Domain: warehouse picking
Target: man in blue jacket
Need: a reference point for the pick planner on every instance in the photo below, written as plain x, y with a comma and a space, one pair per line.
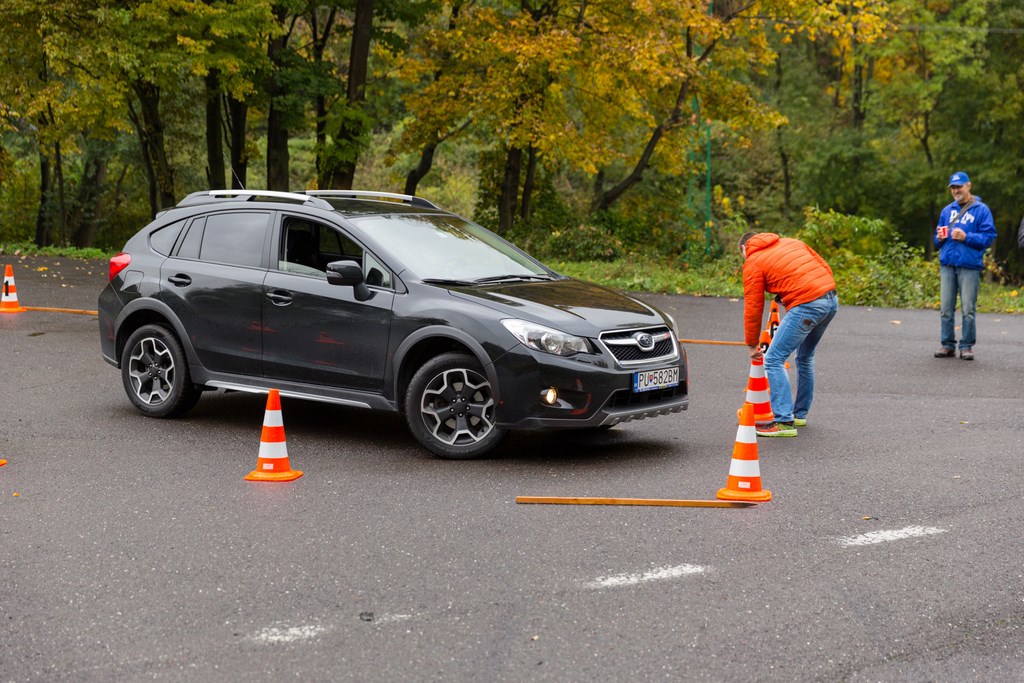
965, 231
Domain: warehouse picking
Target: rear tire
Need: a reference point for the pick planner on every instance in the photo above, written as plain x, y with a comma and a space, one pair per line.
155, 373
450, 408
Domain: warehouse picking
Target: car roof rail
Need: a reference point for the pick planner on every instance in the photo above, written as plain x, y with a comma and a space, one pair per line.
404, 198
207, 196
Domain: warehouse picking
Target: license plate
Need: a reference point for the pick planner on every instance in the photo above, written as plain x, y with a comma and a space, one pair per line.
655, 379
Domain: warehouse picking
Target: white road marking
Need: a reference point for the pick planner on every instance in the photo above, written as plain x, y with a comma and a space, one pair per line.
385, 618
873, 537
659, 574
287, 634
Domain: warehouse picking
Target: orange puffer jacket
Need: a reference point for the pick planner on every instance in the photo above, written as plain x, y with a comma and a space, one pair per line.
783, 266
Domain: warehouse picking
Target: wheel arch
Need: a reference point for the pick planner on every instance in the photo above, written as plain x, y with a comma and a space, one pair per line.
430, 342
152, 312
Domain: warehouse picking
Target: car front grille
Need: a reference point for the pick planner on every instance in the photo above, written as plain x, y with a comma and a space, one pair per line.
628, 348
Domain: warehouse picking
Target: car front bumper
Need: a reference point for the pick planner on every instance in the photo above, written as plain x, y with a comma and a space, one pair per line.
592, 392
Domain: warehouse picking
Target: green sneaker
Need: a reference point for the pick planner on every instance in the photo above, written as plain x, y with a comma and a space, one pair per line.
799, 421
777, 429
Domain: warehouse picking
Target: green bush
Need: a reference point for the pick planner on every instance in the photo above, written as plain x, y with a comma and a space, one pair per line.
581, 243
828, 232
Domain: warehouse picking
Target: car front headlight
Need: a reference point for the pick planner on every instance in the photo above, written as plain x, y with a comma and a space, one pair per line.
672, 323
545, 339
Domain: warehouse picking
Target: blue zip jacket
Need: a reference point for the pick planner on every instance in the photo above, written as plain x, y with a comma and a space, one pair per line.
981, 233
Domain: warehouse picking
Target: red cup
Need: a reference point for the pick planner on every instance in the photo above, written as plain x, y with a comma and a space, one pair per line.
943, 231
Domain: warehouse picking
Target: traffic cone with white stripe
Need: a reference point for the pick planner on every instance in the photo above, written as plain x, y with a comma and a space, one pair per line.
768, 333
757, 393
744, 481
272, 463
9, 300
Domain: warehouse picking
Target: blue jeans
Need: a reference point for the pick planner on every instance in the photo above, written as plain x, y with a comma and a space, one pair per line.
800, 331
962, 281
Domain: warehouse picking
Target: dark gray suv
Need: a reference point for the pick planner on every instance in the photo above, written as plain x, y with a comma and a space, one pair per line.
378, 301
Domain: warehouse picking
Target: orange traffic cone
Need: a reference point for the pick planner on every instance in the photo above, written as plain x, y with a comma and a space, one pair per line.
766, 340
9, 300
773, 318
768, 333
2, 463
744, 481
272, 464
757, 393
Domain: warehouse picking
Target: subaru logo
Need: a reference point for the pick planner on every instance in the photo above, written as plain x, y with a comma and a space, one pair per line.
644, 340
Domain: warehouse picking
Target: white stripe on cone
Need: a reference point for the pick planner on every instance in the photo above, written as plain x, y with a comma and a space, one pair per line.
745, 468
746, 434
270, 450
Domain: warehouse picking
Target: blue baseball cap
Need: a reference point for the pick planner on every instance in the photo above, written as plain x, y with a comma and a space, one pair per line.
958, 178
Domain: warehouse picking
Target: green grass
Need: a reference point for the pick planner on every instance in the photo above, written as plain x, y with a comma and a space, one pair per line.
715, 278
30, 249
722, 278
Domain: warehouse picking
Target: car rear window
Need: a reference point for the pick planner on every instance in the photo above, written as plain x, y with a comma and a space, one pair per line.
162, 240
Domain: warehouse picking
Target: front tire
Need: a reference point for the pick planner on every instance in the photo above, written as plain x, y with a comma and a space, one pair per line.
450, 408
155, 373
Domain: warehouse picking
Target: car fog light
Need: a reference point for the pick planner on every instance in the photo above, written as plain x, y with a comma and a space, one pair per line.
551, 396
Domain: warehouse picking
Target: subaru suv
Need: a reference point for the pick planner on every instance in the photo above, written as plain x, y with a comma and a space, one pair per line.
378, 301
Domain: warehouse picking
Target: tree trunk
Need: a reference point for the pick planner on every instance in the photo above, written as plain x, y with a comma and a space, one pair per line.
147, 161
62, 205
150, 128
412, 180
526, 211
237, 112
214, 133
88, 205
509, 190
277, 130
43, 214
320, 39
352, 130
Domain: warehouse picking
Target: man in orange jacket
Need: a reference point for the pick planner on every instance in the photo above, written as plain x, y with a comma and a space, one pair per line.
798, 276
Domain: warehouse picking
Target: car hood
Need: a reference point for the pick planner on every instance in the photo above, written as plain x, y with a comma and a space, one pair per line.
572, 306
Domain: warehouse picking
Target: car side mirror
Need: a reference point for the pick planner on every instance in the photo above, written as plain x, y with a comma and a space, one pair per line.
349, 274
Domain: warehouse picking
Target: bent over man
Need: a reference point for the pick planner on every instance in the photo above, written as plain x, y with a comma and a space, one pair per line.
798, 276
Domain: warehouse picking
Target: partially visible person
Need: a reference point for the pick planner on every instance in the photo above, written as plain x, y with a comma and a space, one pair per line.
803, 281
964, 232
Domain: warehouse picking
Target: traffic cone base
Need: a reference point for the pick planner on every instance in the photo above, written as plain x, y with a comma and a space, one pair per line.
744, 480
272, 463
290, 475
9, 299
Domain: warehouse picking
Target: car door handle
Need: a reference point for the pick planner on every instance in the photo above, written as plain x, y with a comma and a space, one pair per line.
180, 280
279, 298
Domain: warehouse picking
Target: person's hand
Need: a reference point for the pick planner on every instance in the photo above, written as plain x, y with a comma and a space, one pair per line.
755, 353
958, 234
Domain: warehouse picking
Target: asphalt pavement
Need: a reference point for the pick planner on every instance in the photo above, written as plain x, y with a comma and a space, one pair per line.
133, 549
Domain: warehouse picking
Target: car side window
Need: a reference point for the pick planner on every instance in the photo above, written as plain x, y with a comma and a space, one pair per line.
300, 250
307, 247
236, 238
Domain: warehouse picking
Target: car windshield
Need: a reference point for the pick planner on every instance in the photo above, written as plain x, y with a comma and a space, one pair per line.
446, 247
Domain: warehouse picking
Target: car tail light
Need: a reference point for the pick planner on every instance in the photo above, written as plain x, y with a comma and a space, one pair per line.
119, 263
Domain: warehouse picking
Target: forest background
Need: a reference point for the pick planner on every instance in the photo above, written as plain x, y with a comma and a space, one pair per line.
625, 141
